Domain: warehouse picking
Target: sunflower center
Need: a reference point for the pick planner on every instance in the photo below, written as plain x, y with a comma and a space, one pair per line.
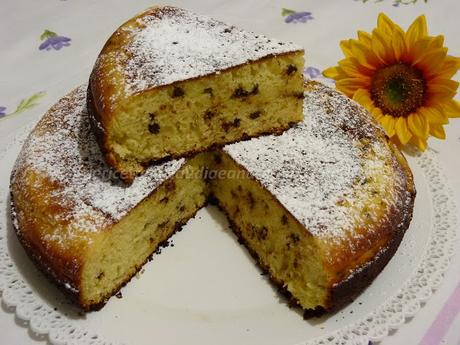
398, 89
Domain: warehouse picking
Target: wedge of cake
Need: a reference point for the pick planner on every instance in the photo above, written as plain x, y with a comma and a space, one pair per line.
78, 222
170, 83
322, 207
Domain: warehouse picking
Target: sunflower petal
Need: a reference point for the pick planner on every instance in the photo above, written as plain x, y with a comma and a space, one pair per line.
416, 30
362, 97
349, 85
437, 131
419, 142
381, 48
377, 113
451, 108
346, 49
417, 49
364, 38
434, 115
431, 61
418, 125
364, 55
385, 24
439, 83
331, 72
398, 43
388, 123
402, 131
450, 67
353, 68
437, 42
440, 92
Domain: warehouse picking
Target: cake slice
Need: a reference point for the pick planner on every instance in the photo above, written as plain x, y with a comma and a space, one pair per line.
79, 223
322, 207
170, 83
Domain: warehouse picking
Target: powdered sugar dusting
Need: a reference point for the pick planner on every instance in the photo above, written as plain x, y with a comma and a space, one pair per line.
170, 44
319, 169
63, 148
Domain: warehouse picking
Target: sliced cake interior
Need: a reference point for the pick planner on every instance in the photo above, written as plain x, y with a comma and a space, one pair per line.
119, 252
280, 244
171, 83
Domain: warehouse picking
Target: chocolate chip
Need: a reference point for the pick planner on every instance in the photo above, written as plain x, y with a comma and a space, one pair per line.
254, 115
284, 219
170, 186
261, 233
152, 116
251, 200
208, 90
291, 69
240, 93
298, 95
165, 199
154, 128
177, 92
294, 237
119, 295
217, 158
227, 125
209, 114
162, 225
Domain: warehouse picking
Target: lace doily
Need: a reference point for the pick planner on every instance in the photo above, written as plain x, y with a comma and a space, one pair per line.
19, 295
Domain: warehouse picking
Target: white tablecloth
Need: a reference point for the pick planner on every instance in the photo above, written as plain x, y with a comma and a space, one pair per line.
40, 66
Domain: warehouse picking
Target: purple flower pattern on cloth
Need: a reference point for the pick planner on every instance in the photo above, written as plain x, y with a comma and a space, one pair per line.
396, 3
2, 112
292, 16
312, 72
52, 40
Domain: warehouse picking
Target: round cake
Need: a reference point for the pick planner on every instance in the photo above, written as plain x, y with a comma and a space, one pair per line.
322, 207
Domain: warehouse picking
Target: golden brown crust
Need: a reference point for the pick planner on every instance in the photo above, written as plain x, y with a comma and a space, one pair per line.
59, 268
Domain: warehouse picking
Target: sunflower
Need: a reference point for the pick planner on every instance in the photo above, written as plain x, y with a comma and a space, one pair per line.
402, 78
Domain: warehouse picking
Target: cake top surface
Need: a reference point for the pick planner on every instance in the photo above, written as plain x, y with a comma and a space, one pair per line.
166, 44
63, 148
328, 168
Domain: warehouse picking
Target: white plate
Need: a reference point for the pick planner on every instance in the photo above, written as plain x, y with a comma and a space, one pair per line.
207, 289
